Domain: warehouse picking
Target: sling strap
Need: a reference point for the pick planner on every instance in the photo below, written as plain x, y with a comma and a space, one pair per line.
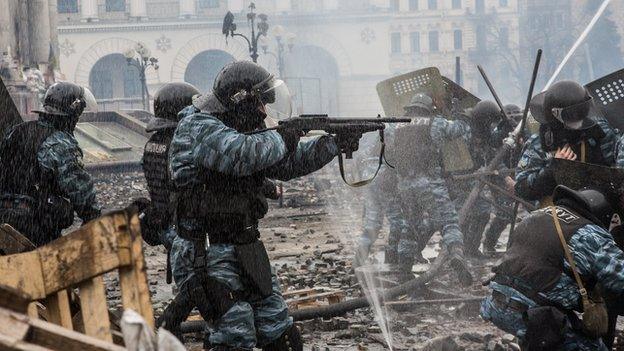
569, 256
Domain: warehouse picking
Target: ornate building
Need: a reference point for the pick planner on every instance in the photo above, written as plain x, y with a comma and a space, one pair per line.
336, 52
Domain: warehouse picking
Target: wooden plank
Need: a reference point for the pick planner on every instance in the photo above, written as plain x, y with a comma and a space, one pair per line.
314, 297
13, 299
94, 309
59, 338
58, 309
13, 242
88, 252
299, 292
23, 272
7, 343
14, 325
33, 311
135, 292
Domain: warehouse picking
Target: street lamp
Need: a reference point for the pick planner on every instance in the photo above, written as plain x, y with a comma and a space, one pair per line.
140, 57
263, 26
281, 37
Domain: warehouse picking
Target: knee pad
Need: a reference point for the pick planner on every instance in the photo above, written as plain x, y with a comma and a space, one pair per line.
289, 341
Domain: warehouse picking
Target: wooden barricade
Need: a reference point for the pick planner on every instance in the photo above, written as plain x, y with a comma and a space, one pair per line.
19, 332
79, 260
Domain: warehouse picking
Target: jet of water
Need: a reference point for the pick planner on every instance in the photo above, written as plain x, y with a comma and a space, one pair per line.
578, 42
368, 278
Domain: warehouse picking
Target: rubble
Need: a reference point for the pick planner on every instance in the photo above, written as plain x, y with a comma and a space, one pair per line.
311, 246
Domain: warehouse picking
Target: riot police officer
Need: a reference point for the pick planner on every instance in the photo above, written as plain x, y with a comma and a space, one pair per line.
221, 177
568, 131
481, 118
156, 221
42, 178
504, 212
537, 287
422, 189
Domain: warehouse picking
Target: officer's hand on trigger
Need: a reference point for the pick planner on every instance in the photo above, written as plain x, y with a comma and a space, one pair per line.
565, 153
291, 138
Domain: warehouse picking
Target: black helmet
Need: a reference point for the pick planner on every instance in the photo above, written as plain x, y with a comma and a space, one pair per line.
63, 104
419, 105
171, 98
67, 99
514, 112
239, 83
566, 102
486, 112
589, 202
483, 115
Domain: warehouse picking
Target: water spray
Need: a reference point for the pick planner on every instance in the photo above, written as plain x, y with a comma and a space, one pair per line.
578, 42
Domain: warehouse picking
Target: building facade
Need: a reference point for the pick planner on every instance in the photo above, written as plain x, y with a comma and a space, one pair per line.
334, 52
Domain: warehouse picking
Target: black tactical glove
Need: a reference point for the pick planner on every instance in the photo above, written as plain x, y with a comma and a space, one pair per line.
291, 138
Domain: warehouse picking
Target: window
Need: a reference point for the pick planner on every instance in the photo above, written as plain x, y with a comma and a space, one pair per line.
394, 5
458, 39
413, 5
132, 82
395, 43
481, 38
67, 6
503, 39
115, 5
480, 6
415, 41
433, 4
208, 4
456, 4
503, 3
434, 45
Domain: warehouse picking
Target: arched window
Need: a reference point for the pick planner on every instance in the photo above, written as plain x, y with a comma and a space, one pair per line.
203, 68
111, 77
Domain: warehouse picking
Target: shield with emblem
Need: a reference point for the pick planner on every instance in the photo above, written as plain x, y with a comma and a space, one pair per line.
608, 94
396, 92
577, 175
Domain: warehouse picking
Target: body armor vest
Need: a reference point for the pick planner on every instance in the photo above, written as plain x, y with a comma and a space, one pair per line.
155, 168
551, 139
223, 205
412, 149
536, 255
19, 168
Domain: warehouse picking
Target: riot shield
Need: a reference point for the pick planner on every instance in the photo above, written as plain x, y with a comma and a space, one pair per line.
396, 92
577, 175
9, 114
608, 94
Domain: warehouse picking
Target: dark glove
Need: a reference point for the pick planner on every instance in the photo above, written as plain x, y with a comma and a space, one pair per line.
269, 189
291, 138
139, 204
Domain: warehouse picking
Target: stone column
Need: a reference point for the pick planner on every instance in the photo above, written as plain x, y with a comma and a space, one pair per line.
138, 8
187, 8
7, 27
40, 37
89, 10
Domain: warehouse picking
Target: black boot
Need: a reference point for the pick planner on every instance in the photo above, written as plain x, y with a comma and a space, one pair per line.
493, 234
458, 263
289, 341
